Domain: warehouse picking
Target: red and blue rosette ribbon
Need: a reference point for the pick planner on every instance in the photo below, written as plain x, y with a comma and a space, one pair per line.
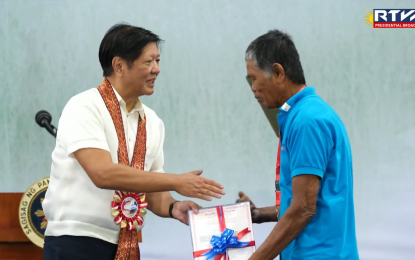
135, 217
227, 240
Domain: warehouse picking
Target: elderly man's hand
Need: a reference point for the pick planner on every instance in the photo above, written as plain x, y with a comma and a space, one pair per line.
255, 213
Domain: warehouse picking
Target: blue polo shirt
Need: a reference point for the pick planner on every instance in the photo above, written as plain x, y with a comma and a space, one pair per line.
314, 141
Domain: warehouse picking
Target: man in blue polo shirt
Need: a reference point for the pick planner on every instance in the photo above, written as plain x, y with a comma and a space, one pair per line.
314, 179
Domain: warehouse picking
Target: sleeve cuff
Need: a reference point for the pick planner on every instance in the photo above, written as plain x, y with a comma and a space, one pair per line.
89, 143
159, 170
307, 170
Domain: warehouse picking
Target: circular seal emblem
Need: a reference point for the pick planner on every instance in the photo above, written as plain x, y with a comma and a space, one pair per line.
129, 207
32, 218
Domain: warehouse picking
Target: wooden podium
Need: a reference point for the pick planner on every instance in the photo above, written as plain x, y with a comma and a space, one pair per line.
14, 244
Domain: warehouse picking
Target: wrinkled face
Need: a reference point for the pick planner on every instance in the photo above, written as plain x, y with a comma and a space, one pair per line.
267, 91
142, 73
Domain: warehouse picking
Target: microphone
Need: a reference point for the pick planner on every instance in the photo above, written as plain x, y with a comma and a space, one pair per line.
44, 119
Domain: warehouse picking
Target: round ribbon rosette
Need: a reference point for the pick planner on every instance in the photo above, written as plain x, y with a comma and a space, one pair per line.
128, 209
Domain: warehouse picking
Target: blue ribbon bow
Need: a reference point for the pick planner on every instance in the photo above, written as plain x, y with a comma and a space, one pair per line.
222, 243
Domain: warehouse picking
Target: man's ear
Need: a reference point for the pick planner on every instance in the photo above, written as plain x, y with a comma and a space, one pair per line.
279, 73
278, 69
118, 66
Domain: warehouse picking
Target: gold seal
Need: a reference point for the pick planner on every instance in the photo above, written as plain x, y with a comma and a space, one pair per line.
32, 218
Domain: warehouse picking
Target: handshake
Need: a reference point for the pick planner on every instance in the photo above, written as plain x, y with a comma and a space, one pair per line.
193, 185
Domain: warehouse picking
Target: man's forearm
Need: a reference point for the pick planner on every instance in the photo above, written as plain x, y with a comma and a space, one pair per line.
159, 202
266, 214
288, 228
121, 177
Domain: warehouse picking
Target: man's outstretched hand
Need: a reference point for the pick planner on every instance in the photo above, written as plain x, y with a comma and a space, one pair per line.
254, 210
244, 198
260, 215
193, 185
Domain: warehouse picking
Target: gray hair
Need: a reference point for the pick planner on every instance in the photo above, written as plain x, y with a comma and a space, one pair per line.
250, 55
276, 47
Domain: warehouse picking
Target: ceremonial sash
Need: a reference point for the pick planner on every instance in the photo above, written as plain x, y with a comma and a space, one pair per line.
278, 170
128, 208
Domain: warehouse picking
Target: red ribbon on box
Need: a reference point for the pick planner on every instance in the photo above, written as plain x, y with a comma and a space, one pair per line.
220, 244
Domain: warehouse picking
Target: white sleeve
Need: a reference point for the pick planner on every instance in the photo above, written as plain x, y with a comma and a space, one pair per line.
158, 162
81, 126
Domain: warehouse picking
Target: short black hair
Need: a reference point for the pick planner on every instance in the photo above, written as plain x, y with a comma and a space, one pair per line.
276, 47
125, 41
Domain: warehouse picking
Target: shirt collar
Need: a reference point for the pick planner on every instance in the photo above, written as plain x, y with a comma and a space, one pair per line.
138, 106
308, 91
